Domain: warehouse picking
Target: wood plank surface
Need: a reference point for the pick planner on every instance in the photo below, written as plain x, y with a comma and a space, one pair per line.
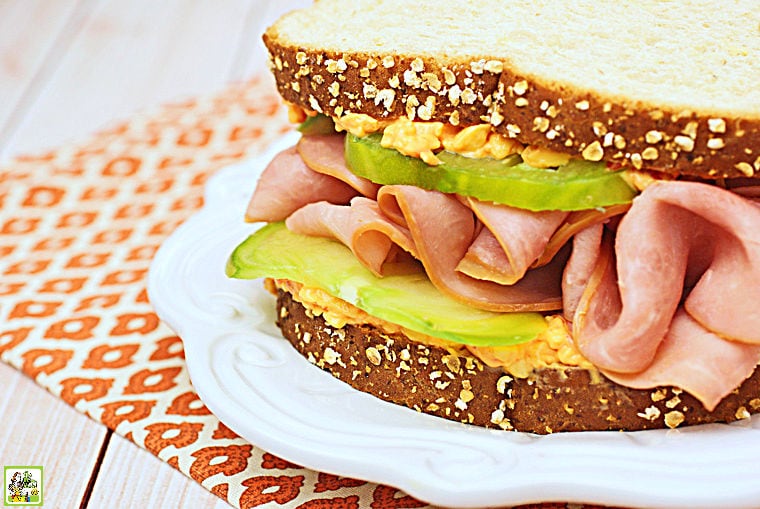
40, 429
68, 68
127, 56
133, 477
31, 34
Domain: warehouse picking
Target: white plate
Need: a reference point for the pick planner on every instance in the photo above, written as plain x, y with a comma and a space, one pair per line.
258, 385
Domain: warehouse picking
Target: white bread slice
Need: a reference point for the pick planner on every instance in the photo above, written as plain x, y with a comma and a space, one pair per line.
663, 84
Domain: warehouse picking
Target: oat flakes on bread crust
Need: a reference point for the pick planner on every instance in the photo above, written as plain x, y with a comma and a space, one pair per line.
665, 85
459, 387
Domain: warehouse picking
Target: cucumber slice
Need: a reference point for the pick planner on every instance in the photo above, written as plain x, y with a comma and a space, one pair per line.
578, 185
405, 297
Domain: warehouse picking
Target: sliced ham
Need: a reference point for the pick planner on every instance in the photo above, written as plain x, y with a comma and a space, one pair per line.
576, 222
587, 245
725, 297
372, 238
443, 229
679, 241
669, 297
324, 154
287, 184
510, 243
436, 229
698, 361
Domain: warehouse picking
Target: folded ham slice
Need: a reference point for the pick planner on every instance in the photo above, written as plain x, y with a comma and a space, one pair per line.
502, 252
575, 223
512, 240
682, 265
436, 229
587, 245
287, 184
691, 357
669, 297
324, 154
443, 230
362, 227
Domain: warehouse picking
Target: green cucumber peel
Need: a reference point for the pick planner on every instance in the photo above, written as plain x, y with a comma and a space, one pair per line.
578, 185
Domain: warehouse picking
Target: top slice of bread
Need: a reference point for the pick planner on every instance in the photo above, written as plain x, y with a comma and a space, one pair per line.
670, 85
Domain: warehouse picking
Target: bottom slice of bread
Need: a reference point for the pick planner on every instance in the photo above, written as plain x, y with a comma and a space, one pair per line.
455, 385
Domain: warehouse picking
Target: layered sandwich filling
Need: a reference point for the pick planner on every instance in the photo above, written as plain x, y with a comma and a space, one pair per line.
552, 348
656, 283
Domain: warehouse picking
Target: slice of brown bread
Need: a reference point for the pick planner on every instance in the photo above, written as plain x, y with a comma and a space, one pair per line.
663, 85
459, 387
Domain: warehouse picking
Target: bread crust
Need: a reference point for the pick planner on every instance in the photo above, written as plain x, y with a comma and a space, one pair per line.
534, 111
459, 387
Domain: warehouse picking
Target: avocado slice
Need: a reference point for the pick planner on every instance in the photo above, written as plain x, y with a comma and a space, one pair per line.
405, 297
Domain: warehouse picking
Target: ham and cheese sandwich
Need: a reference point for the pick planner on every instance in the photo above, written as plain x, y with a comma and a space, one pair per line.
528, 215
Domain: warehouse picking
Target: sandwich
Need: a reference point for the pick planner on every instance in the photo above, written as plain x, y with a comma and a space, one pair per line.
529, 216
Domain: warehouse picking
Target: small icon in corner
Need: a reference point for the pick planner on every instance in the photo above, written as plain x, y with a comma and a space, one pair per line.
22, 485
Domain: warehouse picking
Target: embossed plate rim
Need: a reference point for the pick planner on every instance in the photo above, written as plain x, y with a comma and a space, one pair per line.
345, 432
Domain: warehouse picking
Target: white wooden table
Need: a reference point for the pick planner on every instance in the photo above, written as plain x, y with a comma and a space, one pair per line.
68, 68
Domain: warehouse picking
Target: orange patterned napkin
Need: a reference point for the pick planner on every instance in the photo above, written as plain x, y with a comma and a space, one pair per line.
78, 229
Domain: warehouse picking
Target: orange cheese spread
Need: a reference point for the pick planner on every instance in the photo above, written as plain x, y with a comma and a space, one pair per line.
554, 348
